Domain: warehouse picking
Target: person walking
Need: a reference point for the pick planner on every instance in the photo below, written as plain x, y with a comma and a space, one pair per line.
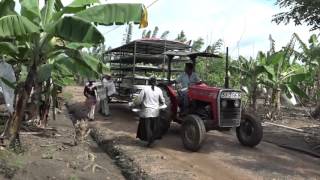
110, 88
90, 92
151, 101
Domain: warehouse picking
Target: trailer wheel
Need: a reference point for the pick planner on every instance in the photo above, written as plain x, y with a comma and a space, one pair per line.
250, 131
166, 114
193, 132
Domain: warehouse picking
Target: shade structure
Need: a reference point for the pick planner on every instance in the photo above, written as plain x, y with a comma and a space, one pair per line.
191, 54
150, 46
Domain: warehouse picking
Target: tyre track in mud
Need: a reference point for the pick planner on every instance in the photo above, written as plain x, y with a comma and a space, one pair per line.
221, 157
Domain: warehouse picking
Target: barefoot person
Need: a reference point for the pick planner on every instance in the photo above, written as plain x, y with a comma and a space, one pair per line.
150, 99
90, 92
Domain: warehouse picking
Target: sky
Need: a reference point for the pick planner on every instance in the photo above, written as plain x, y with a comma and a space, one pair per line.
243, 25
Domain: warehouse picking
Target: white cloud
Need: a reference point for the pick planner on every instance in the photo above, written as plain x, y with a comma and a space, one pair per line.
231, 20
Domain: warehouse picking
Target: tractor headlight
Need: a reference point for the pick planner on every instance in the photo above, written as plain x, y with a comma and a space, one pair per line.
230, 95
224, 103
237, 103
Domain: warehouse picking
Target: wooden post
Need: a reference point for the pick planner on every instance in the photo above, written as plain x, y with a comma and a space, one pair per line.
134, 64
164, 59
226, 80
169, 68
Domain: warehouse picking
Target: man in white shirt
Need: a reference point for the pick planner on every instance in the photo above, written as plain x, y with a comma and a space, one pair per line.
189, 77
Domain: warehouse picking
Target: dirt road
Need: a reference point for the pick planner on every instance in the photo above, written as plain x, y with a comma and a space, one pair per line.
52, 156
221, 157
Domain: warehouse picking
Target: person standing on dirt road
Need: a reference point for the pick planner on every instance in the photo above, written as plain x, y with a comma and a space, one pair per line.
90, 92
110, 88
151, 101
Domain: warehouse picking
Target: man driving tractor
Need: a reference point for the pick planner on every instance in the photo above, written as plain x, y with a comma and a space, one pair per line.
189, 77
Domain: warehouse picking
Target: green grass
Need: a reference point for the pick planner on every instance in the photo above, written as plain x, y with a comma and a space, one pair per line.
10, 163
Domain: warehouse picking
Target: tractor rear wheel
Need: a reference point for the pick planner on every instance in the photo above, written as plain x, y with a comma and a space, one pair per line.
193, 132
166, 114
250, 131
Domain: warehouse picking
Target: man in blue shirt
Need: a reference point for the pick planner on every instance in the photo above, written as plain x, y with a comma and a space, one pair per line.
189, 77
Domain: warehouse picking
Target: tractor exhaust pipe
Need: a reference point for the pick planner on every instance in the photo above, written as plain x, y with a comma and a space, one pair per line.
226, 78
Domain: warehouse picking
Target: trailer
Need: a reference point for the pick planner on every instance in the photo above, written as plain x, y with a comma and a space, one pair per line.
132, 64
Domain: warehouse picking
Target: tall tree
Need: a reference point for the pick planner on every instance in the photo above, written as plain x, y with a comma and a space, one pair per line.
181, 37
299, 11
164, 35
144, 32
215, 47
155, 32
129, 33
148, 35
197, 44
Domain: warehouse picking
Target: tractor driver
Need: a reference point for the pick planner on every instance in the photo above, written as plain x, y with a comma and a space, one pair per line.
189, 77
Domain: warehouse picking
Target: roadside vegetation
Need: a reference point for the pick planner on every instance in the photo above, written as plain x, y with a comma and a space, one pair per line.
47, 53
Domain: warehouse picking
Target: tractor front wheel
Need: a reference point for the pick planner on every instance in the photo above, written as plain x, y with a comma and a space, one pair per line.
250, 131
193, 132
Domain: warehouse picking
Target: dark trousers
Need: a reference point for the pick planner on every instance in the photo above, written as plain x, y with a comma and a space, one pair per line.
149, 129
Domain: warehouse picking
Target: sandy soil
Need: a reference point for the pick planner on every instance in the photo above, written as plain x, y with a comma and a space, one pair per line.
53, 156
221, 157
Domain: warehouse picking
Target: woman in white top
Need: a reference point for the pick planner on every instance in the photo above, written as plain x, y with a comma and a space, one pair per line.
150, 100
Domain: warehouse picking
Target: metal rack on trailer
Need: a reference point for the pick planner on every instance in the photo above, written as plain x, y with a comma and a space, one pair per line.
132, 64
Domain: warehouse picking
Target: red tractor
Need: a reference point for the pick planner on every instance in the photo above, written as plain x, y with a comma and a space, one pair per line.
209, 108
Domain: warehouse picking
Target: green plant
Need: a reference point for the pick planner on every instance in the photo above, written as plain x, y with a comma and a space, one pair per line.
48, 41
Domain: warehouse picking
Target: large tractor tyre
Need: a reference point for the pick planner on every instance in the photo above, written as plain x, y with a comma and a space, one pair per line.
166, 114
250, 131
193, 132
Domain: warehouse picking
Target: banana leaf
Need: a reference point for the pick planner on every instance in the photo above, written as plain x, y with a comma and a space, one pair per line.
7, 8
109, 14
8, 49
7, 83
74, 29
47, 12
296, 90
15, 26
30, 10
44, 72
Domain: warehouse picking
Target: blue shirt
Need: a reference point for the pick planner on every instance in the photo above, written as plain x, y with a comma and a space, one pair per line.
187, 80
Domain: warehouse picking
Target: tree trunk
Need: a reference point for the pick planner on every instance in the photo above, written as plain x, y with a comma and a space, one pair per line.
14, 123
278, 100
45, 107
316, 112
254, 94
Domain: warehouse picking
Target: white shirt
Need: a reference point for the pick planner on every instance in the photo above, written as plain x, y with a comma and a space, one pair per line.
109, 84
187, 80
150, 101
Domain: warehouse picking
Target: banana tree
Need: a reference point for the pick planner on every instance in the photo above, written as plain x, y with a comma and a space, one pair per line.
284, 76
45, 33
310, 56
252, 73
